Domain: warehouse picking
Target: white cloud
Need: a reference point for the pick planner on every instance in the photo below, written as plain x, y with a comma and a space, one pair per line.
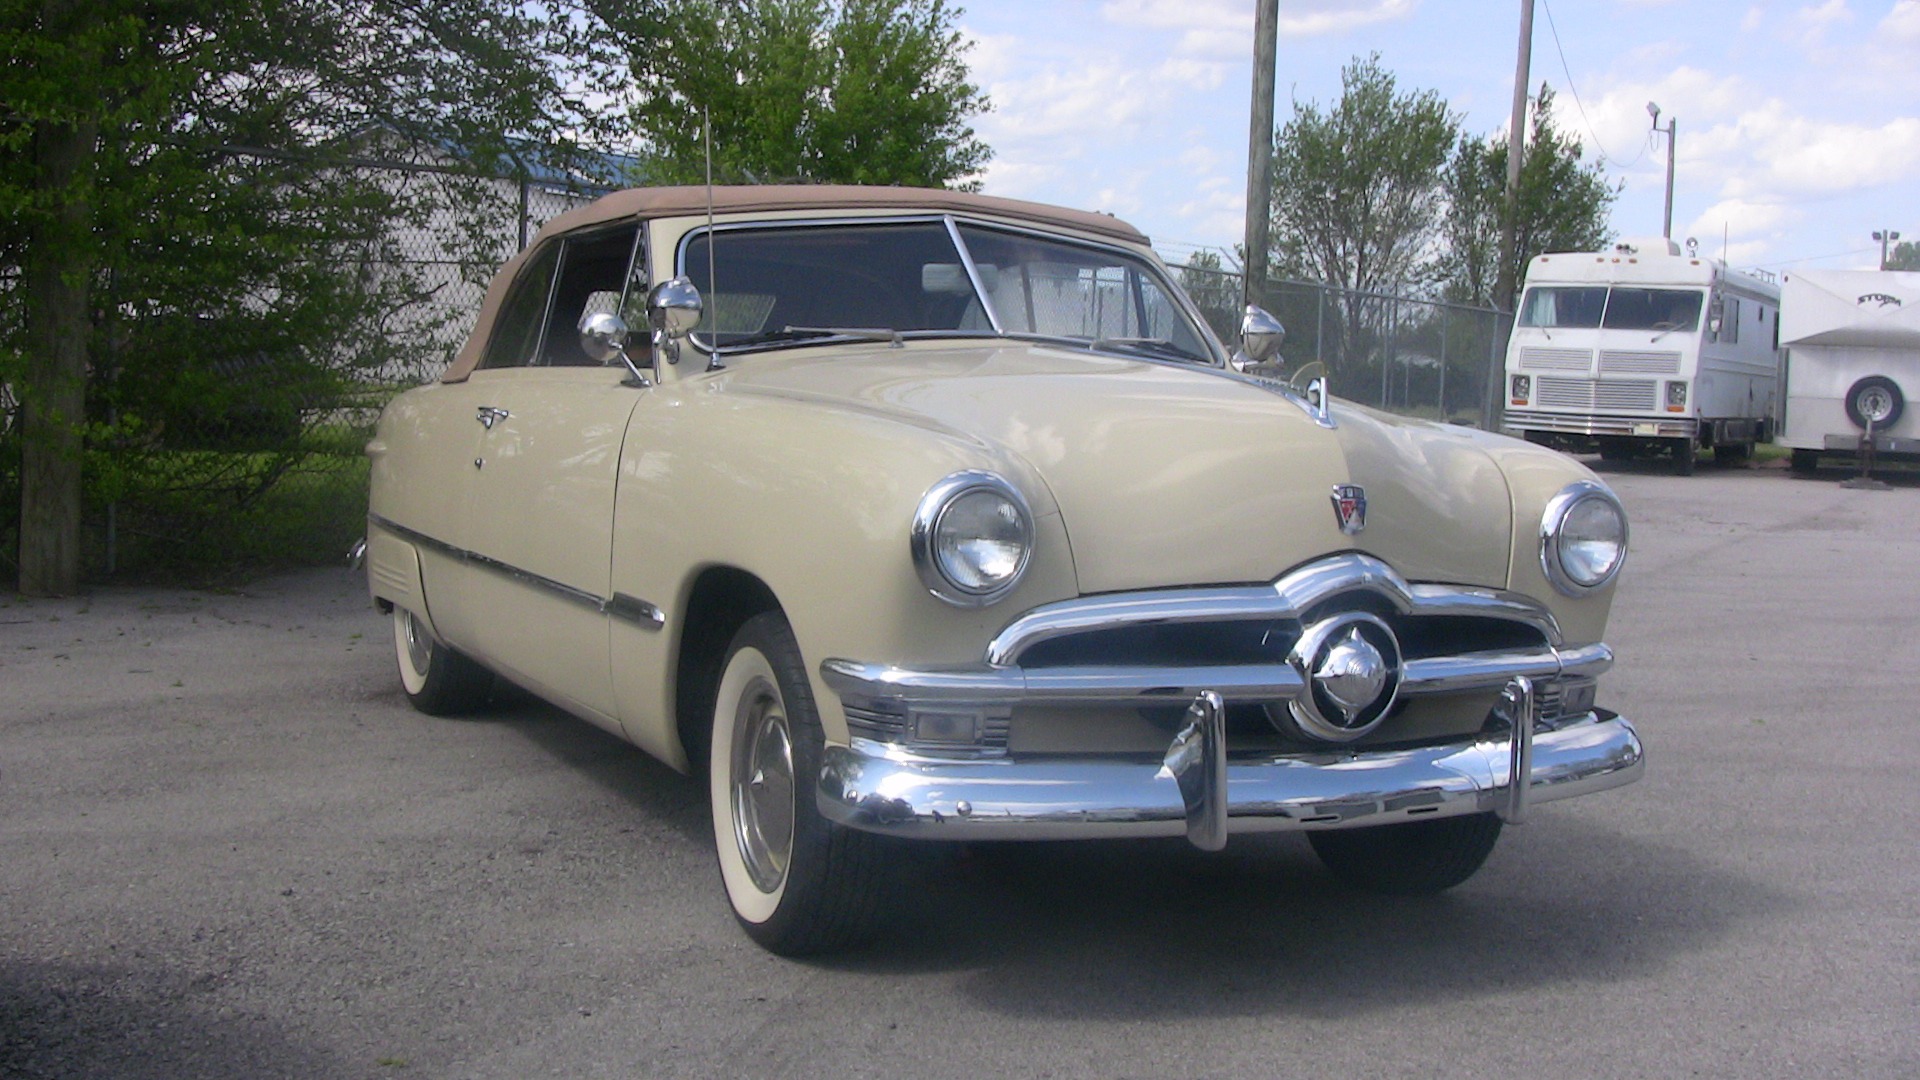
1903, 22
1224, 28
1828, 14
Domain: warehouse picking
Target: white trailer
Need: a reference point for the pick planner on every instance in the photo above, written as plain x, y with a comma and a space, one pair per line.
1643, 349
1853, 355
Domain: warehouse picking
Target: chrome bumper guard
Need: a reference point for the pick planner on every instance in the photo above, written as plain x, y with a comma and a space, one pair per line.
1196, 791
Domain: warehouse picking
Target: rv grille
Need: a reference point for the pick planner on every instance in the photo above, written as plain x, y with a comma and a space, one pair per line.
1536, 358
1635, 394
1627, 362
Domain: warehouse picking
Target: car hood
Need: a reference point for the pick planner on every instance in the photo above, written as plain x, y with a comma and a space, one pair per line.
1168, 475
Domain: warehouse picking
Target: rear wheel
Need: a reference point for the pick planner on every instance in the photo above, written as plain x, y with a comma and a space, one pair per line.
798, 883
1806, 462
1418, 858
1732, 453
438, 680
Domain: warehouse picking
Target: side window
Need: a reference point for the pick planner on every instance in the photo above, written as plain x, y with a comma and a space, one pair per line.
516, 330
1730, 326
593, 277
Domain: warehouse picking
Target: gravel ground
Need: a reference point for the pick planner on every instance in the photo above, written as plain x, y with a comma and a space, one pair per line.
229, 849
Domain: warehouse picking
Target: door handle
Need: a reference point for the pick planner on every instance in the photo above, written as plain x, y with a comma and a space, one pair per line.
488, 416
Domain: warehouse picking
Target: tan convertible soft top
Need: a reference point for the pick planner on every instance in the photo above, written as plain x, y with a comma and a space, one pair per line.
658, 202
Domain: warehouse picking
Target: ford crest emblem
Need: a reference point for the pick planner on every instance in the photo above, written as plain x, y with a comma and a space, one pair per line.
1350, 507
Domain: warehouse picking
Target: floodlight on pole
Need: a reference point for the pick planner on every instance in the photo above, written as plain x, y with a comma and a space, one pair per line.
1653, 110
1886, 237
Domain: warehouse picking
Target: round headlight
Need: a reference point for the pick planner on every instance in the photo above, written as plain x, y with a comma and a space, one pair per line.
1583, 538
972, 536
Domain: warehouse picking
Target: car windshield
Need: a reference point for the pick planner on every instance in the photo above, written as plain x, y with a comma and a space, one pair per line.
1652, 309
775, 285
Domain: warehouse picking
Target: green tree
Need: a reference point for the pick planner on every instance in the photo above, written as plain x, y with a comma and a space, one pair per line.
180, 213
1904, 255
1563, 204
1357, 195
825, 91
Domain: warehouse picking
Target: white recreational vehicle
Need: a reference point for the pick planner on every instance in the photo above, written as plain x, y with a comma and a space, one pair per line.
1853, 354
1641, 349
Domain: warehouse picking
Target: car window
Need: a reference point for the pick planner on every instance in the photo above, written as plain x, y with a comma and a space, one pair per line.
516, 330
592, 279
1042, 285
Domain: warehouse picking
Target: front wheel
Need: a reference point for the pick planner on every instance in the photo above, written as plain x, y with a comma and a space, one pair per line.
1684, 454
1418, 858
798, 883
439, 681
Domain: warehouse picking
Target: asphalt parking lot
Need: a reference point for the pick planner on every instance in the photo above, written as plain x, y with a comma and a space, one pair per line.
229, 849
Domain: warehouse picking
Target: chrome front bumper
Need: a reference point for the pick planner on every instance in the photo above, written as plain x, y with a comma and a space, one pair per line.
1518, 422
1198, 792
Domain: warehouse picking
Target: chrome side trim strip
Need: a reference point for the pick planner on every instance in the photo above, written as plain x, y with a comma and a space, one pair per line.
879, 787
620, 606
1288, 598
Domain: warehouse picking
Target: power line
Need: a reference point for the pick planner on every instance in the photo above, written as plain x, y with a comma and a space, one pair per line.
1605, 154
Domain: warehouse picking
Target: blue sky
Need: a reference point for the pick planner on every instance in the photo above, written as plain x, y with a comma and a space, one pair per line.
1799, 122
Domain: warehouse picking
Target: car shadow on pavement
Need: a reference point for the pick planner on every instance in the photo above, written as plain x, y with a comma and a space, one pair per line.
636, 777
1119, 930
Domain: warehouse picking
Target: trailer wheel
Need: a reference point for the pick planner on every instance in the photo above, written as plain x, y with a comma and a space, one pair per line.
1732, 453
1805, 462
1875, 399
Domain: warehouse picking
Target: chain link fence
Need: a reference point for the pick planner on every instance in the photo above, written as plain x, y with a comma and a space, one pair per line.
227, 416
1415, 357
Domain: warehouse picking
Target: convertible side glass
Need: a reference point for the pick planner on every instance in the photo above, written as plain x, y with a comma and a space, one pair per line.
593, 275
516, 332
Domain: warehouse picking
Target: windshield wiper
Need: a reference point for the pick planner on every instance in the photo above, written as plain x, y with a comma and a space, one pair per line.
1155, 346
806, 333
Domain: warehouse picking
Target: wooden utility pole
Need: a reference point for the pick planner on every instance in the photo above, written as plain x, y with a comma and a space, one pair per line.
1266, 34
1504, 282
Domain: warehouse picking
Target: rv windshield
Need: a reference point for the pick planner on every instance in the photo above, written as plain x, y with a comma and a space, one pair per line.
1563, 306
1652, 309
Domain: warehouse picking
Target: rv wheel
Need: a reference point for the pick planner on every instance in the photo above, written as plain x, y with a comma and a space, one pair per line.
1806, 462
1683, 455
1875, 398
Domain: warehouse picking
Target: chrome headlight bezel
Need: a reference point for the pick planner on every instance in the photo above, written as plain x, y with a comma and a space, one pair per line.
929, 518
1553, 548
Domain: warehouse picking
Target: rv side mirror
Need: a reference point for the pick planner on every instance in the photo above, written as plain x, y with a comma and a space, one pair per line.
1714, 315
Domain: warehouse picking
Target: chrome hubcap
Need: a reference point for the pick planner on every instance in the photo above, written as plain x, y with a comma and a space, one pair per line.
1876, 404
763, 786
419, 645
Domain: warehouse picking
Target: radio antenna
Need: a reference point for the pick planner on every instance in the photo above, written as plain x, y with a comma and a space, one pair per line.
713, 250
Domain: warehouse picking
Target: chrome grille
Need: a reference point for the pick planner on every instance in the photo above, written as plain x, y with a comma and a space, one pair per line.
1630, 362
1559, 393
1539, 358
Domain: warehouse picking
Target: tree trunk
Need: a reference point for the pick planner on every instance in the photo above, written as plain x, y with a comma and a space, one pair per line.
59, 270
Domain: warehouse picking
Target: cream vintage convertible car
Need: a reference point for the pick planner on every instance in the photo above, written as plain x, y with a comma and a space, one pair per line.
927, 515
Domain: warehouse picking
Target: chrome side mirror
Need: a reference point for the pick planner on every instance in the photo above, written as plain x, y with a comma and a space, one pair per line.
603, 337
1260, 338
673, 309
